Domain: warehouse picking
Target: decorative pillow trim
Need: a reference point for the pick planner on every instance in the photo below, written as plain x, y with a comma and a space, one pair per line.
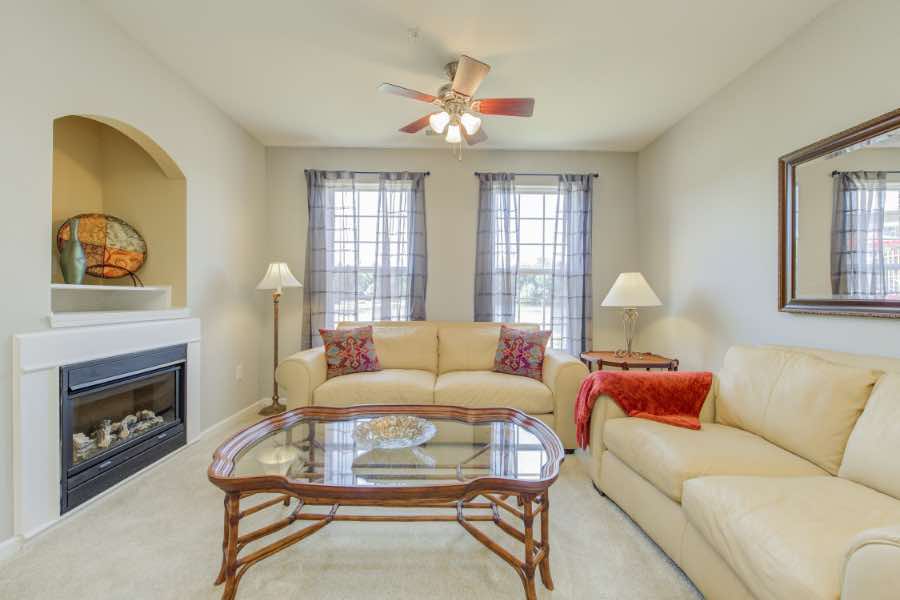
521, 352
349, 351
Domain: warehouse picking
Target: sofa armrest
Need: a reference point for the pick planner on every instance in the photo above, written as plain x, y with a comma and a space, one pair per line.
563, 374
872, 570
300, 374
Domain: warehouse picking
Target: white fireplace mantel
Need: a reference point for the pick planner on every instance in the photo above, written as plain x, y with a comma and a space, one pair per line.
37, 358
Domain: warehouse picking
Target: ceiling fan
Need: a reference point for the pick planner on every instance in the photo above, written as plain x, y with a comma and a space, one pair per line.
458, 107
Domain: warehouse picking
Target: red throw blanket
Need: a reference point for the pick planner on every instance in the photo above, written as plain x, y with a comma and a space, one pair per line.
667, 397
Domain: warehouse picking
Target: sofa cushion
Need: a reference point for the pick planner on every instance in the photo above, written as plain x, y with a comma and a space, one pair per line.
667, 456
469, 346
795, 400
390, 386
786, 537
404, 345
874, 446
479, 389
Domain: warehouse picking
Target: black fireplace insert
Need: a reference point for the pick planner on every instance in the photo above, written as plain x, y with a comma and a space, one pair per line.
118, 415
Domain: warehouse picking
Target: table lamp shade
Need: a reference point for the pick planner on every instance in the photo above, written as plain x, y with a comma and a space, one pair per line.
278, 276
631, 290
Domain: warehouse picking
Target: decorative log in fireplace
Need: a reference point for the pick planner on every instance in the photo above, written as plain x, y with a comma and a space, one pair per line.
117, 416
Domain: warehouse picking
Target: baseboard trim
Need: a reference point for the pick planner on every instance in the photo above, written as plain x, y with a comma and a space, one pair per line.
230, 420
11, 546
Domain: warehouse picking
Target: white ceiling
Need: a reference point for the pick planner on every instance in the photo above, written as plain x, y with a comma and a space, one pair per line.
607, 74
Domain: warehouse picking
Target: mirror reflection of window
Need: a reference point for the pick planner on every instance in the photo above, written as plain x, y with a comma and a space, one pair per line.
847, 222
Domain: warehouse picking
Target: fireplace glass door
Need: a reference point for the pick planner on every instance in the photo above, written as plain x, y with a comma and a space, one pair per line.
109, 416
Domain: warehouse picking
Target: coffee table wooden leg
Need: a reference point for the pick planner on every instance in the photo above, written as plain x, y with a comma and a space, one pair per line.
528, 519
546, 579
232, 517
220, 578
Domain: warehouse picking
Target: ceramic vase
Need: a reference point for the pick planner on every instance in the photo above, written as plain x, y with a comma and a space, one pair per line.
72, 261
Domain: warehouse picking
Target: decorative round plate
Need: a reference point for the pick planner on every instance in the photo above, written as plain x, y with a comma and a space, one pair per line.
112, 247
394, 431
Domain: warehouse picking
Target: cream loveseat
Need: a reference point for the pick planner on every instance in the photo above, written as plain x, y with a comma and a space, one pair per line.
435, 362
791, 488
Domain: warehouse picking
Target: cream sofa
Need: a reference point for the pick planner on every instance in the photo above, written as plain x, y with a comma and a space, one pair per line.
791, 488
434, 362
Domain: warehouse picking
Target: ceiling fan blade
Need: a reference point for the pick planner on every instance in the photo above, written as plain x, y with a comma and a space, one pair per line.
390, 88
511, 107
416, 125
476, 138
469, 74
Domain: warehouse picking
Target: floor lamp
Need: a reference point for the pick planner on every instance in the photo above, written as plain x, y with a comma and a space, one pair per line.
278, 276
629, 292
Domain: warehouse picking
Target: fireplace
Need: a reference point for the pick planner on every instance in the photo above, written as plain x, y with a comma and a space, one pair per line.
118, 415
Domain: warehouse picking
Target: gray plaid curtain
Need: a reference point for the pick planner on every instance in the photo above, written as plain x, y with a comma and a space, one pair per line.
364, 260
496, 248
857, 227
571, 294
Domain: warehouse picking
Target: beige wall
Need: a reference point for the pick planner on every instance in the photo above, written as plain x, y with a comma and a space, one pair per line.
816, 191
451, 195
98, 169
708, 190
61, 58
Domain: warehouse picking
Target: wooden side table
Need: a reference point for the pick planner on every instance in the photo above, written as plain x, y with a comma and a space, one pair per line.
646, 361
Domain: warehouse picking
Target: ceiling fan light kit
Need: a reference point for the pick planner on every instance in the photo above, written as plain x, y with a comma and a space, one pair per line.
458, 105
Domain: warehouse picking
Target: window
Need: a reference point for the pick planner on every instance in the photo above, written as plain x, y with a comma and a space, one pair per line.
540, 245
365, 233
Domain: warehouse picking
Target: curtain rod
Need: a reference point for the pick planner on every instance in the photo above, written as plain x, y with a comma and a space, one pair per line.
538, 174
833, 173
425, 173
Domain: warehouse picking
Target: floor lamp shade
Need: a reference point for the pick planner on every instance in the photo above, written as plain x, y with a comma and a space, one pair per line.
278, 276
630, 291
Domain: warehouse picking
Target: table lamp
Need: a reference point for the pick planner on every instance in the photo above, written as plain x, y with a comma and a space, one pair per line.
278, 276
629, 292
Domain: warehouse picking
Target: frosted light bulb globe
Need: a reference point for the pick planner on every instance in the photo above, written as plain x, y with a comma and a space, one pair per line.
438, 121
470, 123
453, 135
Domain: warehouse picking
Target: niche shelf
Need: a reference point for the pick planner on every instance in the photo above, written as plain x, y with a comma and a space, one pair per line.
83, 305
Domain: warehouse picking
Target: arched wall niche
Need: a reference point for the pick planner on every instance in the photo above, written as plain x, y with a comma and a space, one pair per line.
104, 165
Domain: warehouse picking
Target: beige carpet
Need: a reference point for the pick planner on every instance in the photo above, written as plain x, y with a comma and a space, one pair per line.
159, 537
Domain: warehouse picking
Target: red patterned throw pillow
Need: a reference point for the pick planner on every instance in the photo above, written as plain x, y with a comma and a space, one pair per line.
349, 351
521, 352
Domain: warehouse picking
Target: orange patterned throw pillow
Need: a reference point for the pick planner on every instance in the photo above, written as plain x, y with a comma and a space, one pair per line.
521, 352
349, 351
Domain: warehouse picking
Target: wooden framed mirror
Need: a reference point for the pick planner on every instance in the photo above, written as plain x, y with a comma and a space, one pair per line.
839, 223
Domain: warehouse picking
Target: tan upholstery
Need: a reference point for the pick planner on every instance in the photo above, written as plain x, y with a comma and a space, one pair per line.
786, 537
668, 456
391, 386
403, 344
563, 374
872, 457
469, 346
412, 352
663, 519
777, 534
798, 401
873, 565
482, 389
301, 373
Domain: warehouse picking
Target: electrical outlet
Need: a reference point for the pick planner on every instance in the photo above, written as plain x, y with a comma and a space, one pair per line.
239, 372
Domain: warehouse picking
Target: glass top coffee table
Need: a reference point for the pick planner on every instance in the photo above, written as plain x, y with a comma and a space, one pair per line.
465, 464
